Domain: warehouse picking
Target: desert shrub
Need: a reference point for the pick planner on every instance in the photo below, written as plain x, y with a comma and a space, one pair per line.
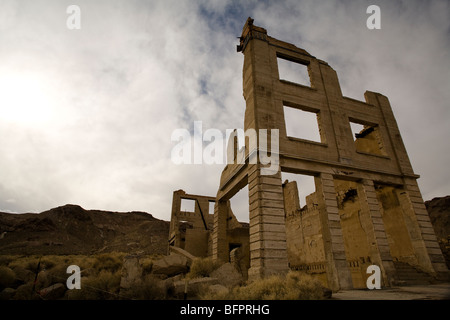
5, 260
31, 263
7, 277
104, 286
109, 261
27, 262
43, 280
58, 273
26, 292
48, 262
202, 267
151, 288
52, 269
303, 287
84, 262
293, 286
147, 265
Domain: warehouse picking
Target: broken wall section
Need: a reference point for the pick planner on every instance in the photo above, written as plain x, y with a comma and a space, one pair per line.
189, 230
357, 230
305, 248
192, 230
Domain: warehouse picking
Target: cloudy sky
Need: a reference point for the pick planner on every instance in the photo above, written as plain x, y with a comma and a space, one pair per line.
86, 116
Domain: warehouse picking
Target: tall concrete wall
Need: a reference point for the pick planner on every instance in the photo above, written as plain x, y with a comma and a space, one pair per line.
371, 172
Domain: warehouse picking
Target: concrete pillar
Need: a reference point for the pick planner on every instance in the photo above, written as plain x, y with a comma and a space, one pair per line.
173, 234
219, 235
338, 273
425, 243
376, 233
268, 249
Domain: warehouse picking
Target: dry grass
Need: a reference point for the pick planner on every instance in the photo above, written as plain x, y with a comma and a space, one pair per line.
151, 288
109, 261
101, 286
101, 274
147, 264
293, 286
7, 277
202, 267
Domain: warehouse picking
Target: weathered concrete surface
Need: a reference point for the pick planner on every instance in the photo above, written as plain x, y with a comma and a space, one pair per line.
367, 207
171, 265
131, 272
182, 252
227, 275
193, 234
429, 292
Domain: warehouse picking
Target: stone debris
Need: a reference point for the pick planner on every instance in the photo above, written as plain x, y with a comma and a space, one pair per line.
228, 275
53, 292
171, 265
132, 272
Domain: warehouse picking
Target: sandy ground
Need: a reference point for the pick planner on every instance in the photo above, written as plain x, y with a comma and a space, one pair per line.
417, 292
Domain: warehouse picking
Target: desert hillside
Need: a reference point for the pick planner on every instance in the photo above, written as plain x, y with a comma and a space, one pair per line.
439, 211
70, 229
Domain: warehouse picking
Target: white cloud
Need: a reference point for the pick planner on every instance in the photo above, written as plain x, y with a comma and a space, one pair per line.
116, 89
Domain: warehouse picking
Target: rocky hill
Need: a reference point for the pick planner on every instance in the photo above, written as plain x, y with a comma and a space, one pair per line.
70, 229
439, 211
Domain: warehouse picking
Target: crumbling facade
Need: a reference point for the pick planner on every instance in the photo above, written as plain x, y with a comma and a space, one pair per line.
367, 208
192, 230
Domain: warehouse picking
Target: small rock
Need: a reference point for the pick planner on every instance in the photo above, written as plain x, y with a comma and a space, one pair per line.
53, 292
131, 272
24, 274
182, 252
327, 293
171, 265
7, 293
227, 275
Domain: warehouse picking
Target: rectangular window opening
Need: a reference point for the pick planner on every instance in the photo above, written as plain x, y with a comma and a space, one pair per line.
239, 205
356, 129
211, 207
293, 71
187, 205
302, 124
367, 138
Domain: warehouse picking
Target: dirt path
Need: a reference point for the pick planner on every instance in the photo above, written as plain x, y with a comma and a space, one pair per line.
422, 292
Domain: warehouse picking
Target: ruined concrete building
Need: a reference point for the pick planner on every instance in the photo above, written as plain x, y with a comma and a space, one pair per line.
192, 230
367, 208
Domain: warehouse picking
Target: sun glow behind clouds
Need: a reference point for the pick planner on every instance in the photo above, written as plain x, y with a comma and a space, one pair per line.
24, 98
86, 115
